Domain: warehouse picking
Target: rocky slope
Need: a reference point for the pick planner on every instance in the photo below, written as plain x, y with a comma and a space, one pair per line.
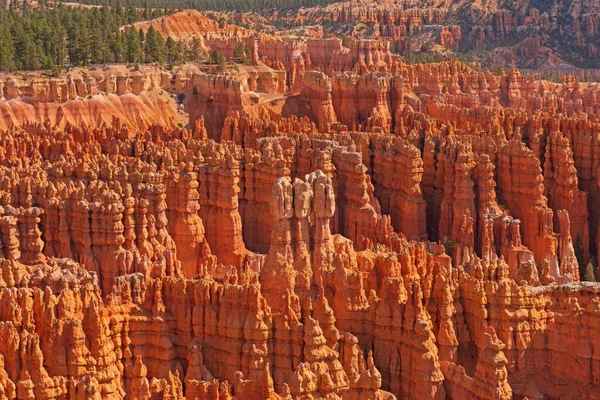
549, 36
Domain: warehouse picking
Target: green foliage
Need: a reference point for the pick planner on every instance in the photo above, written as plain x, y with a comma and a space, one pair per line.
62, 36
422, 57
590, 275
133, 45
7, 50
218, 5
154, 46
240, 50
55, 71
194, 50
243, 53
449, 245
217, 57
551, 76
146, 9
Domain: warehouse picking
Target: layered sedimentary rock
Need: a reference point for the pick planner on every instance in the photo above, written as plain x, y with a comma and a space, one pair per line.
96, 102
343, 227
528, 35
138, 99
316, 90
371, 319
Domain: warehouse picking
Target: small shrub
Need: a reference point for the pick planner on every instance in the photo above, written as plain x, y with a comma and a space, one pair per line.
449, 245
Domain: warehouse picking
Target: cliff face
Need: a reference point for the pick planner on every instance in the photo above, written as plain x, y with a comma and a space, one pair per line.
137, 99
556, 37
112, 98
316, 91
192, 24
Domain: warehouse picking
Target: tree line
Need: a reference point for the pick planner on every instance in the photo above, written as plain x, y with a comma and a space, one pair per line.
60, 37
229, 5
54, 36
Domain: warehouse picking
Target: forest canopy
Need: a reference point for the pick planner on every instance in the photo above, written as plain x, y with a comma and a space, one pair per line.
55, 36
224, 5
64, 36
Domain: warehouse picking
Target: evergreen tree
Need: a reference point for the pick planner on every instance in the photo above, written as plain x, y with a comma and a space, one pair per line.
142, 36
590, 275
171, 50
132, 14
117, 46
181, 50
154, 46
7, 49
146, 9
240, 51
133, 48
119, 13
52, 35
99, 51
217, 57
59, 45
195, 50
82, 46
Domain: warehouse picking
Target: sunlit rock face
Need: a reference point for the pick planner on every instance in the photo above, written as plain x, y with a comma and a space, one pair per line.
300, 226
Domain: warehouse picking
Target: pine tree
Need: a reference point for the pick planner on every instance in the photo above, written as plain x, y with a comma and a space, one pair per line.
217, 57
240, 51
132, 14
146, 9
142, 36
117, 46
51, 34
133, 49
83, 45
118, 7
590, 275
181, 50
195, 50
21, 44
60, 46
154, 46
7, 49
99, 51
171, 50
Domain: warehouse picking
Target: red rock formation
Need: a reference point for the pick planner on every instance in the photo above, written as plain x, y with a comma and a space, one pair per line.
219, 207
291, 258
397, 172
186, 226
112, 98
371, 108
316, 91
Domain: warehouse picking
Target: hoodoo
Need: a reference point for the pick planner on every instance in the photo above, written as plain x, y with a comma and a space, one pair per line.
306, 203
